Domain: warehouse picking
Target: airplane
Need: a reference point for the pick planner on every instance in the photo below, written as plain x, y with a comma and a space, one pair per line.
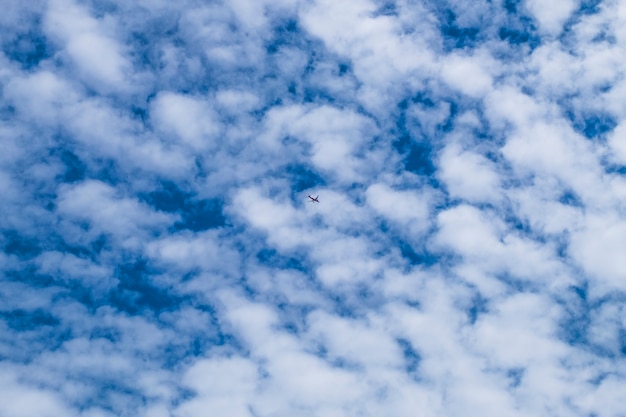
313, 200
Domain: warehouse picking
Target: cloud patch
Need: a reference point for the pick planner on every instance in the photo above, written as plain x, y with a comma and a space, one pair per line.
160, 256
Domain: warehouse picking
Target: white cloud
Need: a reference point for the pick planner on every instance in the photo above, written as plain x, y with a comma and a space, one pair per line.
89, 44
540, 206
469, 175
68, 267
40, 96
223, 385
21, 400
237, 101
469, 74
187, 251
407, 208
595, 246
97, 203
551, 15
337, 140
491, 285
617, 145
506, 346
382, 55
191, 120
606, 323
476, 237
352, 341
276, 218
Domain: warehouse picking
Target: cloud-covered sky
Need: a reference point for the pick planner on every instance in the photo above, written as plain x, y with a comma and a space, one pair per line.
160, 257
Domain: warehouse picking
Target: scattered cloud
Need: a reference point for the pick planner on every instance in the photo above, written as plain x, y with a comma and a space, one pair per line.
160, 256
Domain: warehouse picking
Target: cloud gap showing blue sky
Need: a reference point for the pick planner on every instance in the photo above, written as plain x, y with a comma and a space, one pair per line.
159, 257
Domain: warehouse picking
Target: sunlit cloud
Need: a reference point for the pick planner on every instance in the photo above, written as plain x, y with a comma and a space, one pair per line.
160, 256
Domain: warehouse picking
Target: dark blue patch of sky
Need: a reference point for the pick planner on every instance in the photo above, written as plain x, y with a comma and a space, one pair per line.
196, 214
478, 306
136, 292
411, 356
28, 48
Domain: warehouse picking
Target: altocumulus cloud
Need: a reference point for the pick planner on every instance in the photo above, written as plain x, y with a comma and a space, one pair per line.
159, 257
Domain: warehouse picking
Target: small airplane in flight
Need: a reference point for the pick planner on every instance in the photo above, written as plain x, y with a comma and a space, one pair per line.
313, 200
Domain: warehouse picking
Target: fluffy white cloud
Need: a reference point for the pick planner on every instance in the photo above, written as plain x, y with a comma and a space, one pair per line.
468, 74
22, 400
159, 256
551, 16
596, 244
469, 175
191, 120
89, 44
97, 204
223, 385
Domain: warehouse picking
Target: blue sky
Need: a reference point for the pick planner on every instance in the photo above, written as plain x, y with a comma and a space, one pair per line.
160, 258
